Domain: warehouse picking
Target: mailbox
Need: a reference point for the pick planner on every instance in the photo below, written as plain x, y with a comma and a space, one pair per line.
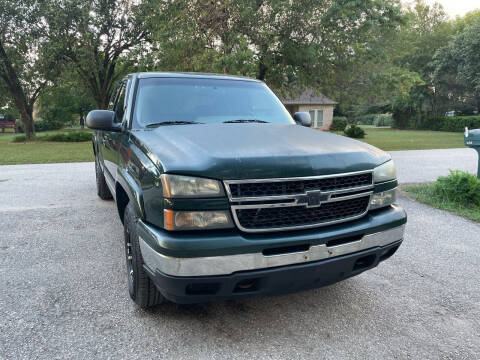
472, 139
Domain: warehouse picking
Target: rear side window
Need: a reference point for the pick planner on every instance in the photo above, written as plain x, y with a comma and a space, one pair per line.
119, 106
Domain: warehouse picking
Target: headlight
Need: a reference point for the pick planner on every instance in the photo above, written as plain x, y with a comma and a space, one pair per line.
385, 198
187, 186
197, 220
384, 172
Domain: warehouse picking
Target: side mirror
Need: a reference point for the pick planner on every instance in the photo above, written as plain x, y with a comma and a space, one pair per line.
302, 118
103, 120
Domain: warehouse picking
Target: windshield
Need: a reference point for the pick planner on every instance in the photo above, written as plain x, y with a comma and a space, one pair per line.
207, 101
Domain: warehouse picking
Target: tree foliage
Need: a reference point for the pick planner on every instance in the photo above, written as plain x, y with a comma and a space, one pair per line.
370, 55
26, 65
458, 64
94, 36
67, 102
281, 42
425, 30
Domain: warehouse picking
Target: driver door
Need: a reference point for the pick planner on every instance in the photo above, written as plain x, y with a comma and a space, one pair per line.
110, 141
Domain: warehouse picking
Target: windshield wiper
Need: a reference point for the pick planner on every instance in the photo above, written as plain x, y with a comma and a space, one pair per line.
173, 123
244, 121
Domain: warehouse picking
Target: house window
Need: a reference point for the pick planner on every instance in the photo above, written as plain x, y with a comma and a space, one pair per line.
317, 118
312, 116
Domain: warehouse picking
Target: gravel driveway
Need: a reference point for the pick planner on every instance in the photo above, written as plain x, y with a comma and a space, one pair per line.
416, 166
64, 290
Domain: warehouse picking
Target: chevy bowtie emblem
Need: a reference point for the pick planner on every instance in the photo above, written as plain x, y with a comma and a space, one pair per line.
313, 198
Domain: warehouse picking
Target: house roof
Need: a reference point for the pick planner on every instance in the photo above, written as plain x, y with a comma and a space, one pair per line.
307, 96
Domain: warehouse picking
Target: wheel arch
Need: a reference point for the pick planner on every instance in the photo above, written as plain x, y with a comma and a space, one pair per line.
126, 191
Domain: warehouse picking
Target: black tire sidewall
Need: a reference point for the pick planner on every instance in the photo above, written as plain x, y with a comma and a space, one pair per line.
98, 175
103, 191
131, 236
143, 291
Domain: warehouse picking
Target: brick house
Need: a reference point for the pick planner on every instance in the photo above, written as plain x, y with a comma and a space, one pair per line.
318, 105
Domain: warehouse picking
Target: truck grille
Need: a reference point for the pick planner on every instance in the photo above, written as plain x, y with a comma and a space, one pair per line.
277, 217
258, 189
295, 203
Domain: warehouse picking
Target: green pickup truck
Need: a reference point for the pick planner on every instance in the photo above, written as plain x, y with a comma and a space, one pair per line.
224, 195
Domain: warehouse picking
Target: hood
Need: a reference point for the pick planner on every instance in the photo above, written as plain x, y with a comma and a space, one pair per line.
254, 151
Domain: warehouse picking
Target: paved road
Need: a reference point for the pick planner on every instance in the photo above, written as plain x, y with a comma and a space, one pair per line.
416, 166
63, 290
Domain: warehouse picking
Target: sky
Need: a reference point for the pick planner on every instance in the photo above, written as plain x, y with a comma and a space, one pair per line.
456, 7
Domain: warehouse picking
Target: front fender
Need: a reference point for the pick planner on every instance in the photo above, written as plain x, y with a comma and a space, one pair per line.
139, 178
133, 191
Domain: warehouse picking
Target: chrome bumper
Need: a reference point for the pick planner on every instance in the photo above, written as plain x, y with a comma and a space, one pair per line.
225, 265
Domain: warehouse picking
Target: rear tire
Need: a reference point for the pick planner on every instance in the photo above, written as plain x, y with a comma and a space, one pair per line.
102, 188
141, 288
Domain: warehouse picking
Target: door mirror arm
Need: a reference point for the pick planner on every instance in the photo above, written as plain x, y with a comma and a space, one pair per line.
124, 126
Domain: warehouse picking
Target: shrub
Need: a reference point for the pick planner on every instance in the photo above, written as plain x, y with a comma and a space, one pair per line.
73, 136
458, 123
356, 111
383, 120
47, 125
354, 131
460, 187
339, 123
367, 119
430, 123
445, 123
19, 138
42, 125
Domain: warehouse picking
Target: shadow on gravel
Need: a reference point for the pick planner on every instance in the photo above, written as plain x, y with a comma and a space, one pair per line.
243, 320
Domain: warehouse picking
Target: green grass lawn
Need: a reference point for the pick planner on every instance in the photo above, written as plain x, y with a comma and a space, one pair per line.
42, 152
391, 139
425, 193
52, 152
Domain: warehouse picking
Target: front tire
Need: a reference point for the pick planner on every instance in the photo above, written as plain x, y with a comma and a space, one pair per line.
102, 188
141, 288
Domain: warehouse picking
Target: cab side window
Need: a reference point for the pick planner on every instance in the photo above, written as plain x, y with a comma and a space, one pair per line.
119, 106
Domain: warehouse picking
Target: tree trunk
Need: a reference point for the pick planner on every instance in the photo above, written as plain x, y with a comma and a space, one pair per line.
101, 100
27, 120
23, 103
262, 71
103, 103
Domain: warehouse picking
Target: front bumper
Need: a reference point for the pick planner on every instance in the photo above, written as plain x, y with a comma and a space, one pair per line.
273, 281
193, 267
229, 264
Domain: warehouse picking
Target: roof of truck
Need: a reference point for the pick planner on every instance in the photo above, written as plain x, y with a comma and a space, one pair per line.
143, 75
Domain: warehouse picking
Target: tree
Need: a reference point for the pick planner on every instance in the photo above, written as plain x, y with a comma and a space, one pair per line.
458, 65
281, 42
66, 102
6, 105
397, 73
94, 35
408, 54
25, 64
